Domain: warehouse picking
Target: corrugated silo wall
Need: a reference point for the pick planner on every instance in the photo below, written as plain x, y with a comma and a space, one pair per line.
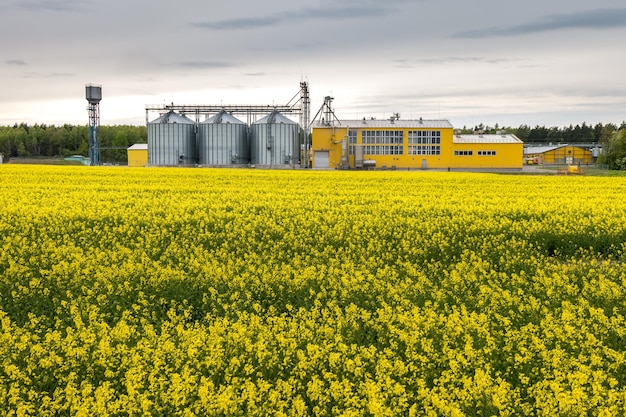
171, 144
275, 144
223, 144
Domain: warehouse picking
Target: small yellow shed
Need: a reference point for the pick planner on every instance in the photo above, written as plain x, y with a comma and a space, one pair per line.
138, 155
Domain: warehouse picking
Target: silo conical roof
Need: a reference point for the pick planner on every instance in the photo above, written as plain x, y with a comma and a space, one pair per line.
173, 117
275, 117
223, 117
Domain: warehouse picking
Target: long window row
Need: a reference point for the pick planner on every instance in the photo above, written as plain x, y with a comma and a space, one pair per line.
382, 150
471, 153
382, 137
424, 150
425, 137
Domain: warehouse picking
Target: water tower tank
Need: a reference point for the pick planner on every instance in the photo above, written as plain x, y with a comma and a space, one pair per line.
93, 93
223, 140
172, 140
275, 140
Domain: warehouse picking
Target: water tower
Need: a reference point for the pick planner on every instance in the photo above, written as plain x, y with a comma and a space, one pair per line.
93, 93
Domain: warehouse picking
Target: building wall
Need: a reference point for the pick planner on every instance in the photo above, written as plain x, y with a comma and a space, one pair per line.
331, 139
507, 155
488, 155
137, 157
328, 139
571, 155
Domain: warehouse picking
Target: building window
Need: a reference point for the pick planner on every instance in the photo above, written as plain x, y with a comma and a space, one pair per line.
424, 137
382, 150
382, 137
352, 137
463, 153
351, 140
486, 153
382, 142
424, 150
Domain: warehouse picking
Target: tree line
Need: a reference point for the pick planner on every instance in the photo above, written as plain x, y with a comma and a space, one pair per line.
40, 140
582, 133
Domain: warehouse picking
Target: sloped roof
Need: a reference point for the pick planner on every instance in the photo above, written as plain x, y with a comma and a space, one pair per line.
486, 139
531, 150
275, 117
223, 117
173, 117
138, 147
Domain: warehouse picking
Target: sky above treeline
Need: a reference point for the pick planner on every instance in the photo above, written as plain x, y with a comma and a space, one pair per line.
536, 62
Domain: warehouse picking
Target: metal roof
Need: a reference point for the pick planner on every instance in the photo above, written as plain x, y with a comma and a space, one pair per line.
388, 124
486, 139
138, 147
172, 117
223, 117
541, 149
275, 117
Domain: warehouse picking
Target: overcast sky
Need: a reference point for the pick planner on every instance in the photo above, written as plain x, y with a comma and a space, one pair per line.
535, 62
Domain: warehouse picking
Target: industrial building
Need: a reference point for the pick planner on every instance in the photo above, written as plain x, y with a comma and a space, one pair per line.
410, 144
275, 140
559, 155
138, 155
172, 140
481, 151
267, 139
223, 140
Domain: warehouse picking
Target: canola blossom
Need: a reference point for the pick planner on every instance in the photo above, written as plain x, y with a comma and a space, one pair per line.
220, 292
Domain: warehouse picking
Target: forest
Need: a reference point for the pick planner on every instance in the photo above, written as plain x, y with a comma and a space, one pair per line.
41, 140
581, 133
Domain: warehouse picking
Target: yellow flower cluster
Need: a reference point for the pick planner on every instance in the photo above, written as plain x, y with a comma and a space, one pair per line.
247, 292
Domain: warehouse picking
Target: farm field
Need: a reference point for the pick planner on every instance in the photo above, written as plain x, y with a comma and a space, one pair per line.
186, 292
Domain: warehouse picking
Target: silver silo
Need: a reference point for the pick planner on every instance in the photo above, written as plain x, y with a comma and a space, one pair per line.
275, 140
172, 140
223, 140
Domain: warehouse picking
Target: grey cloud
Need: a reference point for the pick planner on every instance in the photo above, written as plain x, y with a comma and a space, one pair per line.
15, 62
240, 23
472, 93
583, 91
206, 64
307, 13
48, 75
54, 5
310, 47
255, 74
404, 63
594, 19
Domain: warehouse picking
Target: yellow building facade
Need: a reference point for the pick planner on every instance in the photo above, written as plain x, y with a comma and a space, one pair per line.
501, 151
409, 144
559, 155
138, 155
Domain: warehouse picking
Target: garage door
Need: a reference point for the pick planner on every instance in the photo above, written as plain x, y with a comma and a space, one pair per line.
320, 159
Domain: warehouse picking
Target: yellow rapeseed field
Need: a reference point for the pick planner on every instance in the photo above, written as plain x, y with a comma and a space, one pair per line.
182, 292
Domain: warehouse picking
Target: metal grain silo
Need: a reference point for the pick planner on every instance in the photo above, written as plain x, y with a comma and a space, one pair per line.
275, 140
172, 140
223, 140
